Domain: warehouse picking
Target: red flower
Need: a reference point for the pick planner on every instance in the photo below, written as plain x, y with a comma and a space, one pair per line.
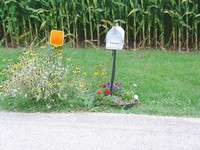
107, 92
98, 91
104, 86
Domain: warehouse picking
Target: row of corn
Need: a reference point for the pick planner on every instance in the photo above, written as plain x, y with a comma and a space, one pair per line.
167, 24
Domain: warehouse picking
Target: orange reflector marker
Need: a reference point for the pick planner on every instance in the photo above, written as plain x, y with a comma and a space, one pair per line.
56, 38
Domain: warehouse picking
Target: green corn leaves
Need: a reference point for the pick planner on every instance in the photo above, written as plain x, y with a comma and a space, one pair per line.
166, 24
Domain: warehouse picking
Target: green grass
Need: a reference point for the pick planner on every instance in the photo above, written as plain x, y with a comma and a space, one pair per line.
168, 82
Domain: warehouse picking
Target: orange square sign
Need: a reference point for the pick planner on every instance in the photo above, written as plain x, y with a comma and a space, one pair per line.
56, 37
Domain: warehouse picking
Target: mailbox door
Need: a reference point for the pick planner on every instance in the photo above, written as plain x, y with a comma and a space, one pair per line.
114, 40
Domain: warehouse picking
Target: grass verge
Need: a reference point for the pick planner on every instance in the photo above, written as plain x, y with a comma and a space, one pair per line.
168, 82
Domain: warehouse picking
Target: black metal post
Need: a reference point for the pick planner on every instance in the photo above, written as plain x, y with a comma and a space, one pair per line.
114, 52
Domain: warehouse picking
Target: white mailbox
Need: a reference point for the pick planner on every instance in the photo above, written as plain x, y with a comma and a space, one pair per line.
115, 38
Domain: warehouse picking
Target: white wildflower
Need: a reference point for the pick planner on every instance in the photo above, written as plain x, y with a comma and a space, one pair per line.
136, 97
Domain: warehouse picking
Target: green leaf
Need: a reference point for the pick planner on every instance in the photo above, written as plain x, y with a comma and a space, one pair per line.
197, 16
43, 25
187, 13
35, 17
10, 1
98, 10
120, 20
133, 11
119, 4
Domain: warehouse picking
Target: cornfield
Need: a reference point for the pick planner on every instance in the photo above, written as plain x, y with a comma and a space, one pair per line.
166, 24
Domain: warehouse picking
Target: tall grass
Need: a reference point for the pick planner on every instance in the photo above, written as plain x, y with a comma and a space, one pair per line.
148, 23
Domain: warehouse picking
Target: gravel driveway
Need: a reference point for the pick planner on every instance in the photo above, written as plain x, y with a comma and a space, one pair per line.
97, 131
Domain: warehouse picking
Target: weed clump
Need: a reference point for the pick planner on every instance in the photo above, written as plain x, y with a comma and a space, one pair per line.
42, 78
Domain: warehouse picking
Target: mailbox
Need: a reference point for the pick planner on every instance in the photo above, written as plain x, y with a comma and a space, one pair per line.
115, 38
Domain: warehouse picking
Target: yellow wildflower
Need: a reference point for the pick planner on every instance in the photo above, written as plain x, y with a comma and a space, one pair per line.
37, 73
43, 47
50, 84
68, 59
11, 71
60, 57
25, 77
26, 52
39, 90
81, 85
33, 54
84, 73
19, 65
58, 83
74, 71
77, 68
104, 72
22, 58
96, 73
5, 86
3, 71
33, 60
56, 73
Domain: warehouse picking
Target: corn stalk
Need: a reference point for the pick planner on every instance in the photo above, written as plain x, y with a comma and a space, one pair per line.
133, 12
197, 16
87, 21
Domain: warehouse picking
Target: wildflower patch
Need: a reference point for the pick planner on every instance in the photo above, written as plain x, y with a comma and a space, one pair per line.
119, 97
39, 77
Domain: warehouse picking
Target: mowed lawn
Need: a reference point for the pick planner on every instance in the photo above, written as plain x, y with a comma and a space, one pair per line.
168, 83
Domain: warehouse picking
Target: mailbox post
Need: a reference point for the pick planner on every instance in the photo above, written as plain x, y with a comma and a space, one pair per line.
114, 42
113, 70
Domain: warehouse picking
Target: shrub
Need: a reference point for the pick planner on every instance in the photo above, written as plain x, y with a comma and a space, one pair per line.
42, 78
